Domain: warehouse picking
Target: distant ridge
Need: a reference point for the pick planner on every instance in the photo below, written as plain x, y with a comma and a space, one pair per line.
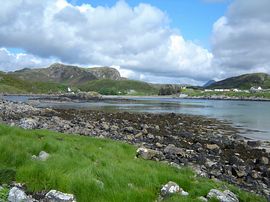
67, 74
245, 81
208, 83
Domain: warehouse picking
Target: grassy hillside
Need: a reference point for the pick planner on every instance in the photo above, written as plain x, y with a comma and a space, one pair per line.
245, 81
122, 87
12, 84
92, 169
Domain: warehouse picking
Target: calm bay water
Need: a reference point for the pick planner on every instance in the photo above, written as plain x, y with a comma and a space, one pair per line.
252, 116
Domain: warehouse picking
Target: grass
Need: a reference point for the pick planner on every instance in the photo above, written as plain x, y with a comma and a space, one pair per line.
119, 87
92, 169
12, 84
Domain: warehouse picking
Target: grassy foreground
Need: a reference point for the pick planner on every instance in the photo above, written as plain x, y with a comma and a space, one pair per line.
92, 169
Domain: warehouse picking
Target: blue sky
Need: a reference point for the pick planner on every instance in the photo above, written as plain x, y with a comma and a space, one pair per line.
194, 18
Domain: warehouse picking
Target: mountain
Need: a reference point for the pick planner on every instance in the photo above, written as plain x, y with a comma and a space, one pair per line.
67, 74
245, 81
208, 83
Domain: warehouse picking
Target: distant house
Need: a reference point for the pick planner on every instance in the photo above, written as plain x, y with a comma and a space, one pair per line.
208, 90
255, 89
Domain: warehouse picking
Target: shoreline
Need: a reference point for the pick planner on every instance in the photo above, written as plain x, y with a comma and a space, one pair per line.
117, 97
214, 149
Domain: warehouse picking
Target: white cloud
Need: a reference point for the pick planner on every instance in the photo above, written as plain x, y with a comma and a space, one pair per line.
10, 61
139, 39
241, 39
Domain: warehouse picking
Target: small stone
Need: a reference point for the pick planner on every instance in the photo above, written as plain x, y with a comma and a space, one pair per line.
129, 129
254, 174
130, 137
212, 146
172, 149
202, 198
138, 135
254, 143
158, 145
57, 196
105, 126
150, 136
209, 163
264, 160
184, 193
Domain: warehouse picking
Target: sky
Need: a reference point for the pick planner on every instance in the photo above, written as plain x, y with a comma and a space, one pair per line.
172, 41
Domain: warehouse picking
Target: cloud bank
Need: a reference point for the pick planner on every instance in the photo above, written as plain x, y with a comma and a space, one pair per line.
241, 39
138, 39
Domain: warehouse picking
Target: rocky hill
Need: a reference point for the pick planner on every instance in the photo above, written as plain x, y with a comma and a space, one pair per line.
67, 74
245, 81
105, 73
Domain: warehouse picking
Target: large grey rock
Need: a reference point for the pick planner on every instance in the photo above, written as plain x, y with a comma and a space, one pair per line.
226, 196
28, 123
17, 195
57, 196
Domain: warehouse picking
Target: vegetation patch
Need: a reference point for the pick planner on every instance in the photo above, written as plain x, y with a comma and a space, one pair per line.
119, 87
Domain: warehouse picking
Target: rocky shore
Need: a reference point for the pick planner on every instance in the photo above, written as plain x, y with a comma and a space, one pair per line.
212, 148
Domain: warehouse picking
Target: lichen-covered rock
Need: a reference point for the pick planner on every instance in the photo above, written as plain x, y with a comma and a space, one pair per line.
43, 156
17, 195
28, 123
147, 154
170, 188
57, 196
225, 196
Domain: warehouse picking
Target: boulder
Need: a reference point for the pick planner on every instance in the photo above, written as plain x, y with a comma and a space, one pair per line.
225, 196
28, 123
17, 195
147, 154
43, 156
57, 196
170, 188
